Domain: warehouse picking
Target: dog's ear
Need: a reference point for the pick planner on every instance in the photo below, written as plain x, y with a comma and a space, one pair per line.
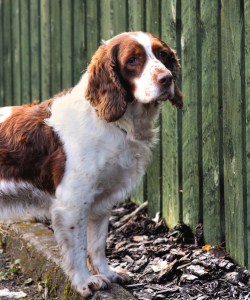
104, 90
177, 100
172, 63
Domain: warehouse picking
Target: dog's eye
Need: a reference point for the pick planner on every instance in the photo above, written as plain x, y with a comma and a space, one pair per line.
132, 61
163, 55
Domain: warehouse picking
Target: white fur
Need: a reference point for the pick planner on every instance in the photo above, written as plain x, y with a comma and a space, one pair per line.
5, 112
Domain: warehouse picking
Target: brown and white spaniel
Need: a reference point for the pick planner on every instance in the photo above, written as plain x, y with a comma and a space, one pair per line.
76, 155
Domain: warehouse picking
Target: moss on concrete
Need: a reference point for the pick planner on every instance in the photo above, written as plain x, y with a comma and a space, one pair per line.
35, 246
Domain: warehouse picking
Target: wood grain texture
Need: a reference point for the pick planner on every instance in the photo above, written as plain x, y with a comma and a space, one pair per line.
35, 48
56, 67
25, 50
191, 205
45, 50
16, 53
1, 57
247, 98
7, 59
211, 132
136, 18
79, 39
170, 193
92, 37
105, 20
66, 43
120, 16
154, 179
232, 128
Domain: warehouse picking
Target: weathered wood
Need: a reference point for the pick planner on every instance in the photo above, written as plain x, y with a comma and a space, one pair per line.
136, 19
191, 193
45, 50
35, 50
105, 20
120, 16
66, 43
1, 57
15, 46
56, 70
136, 23
211, 131
79, 39
25, 50
92, 40
7, 61
170, 193
232, 128
154, 179
247, 85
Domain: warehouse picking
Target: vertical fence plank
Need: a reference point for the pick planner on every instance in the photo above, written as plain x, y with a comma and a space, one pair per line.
56, 74
7, 62
45, 49
1, 57
79, 39
170, 193
35, 50
211, 132
136, 23
16, 52
232, 128
25, 50
105, 20
247, 83
93, 38
154, 170
136, 15
191, 207
66, 43
120, 16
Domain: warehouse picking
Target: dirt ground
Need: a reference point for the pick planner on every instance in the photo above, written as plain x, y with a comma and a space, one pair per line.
162, 263
169, 264
15, 280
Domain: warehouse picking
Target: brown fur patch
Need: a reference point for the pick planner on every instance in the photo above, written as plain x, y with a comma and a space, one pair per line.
29, 150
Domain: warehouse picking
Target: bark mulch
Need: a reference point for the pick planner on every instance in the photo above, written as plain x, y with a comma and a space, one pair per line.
169, 264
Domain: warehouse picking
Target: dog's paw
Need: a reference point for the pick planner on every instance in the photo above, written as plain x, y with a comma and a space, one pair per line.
93, 283
118, 275
98, 282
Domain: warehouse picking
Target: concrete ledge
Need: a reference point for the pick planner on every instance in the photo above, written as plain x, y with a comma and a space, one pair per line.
35, 246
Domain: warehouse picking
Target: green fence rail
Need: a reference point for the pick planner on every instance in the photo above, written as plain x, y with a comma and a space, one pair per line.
201, 168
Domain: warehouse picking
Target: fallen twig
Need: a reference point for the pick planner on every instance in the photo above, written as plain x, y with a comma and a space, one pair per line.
134, 213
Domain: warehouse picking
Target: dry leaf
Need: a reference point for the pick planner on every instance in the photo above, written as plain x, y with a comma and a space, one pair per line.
206, 247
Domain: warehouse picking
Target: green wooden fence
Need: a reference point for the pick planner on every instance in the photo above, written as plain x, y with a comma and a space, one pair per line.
201, 168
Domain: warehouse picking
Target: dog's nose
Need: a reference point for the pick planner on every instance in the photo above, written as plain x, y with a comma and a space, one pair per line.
166, 79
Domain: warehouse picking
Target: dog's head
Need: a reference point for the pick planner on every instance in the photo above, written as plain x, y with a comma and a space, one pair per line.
132, 66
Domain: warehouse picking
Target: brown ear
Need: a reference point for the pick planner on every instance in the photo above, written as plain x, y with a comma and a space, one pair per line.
177, 100
174, 66
104, 90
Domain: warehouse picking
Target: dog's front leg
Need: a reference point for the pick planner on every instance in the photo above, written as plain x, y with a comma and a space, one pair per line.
70, 228
97, 235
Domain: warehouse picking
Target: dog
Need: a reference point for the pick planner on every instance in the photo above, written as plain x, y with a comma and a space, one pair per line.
73, 157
